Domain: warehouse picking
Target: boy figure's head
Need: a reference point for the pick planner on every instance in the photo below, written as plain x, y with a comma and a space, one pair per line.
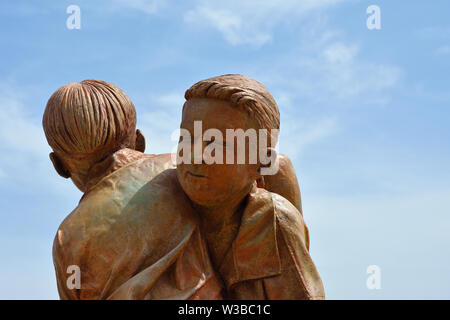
230, 108
86, 122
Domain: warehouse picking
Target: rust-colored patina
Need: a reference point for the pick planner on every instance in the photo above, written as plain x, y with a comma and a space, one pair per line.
147, 230
258, 241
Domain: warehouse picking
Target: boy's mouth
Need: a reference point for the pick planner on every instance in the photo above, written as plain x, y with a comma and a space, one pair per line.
196, 175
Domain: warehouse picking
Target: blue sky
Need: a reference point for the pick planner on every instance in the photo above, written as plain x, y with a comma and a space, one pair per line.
364, 117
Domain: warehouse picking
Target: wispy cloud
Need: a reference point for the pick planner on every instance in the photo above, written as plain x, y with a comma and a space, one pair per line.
296, 136
19, 131
159, 122
332, 71
435, 32
346, 75
325, 72
444, 50
173, 100
24, 159
250, 22
147, 6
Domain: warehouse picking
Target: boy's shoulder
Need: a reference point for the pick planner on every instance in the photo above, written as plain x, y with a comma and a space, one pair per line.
255, 252
130, 219
260, 197
271, 245
287, 216
106, 200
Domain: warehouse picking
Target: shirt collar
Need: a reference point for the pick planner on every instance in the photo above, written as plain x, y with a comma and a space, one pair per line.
254, 252
109, 165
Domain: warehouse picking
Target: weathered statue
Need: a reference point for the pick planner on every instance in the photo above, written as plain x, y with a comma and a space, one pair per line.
138, 233
256, 238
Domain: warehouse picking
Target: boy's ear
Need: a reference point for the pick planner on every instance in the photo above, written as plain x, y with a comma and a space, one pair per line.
272, 164
57, 164
140, 141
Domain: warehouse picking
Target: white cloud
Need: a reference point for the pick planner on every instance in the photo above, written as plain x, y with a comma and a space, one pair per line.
339, 53
345, 75
18, 130
325, 72
24, 161
228, 23
439, 34
161, 121
434, 32
296, 136
171, 100
444, 50
330, 71
252, 21
147, 6
431, 94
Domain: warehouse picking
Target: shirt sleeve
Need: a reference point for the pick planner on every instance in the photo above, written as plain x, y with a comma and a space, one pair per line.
299, 278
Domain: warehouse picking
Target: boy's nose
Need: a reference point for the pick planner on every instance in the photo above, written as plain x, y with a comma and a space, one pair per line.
197, 152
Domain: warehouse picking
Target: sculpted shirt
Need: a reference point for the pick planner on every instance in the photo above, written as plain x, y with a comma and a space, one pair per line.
131, 240
269, 258
134, 236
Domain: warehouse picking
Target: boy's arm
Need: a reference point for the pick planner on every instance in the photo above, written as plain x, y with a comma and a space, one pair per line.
285, 183
299, 278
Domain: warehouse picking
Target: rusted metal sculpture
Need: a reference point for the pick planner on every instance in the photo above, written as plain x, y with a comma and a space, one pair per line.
147, 229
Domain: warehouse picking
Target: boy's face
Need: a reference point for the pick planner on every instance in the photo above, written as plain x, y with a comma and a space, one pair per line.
213, 184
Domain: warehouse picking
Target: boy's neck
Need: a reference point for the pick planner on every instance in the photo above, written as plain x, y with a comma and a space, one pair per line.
110, 164
220, 224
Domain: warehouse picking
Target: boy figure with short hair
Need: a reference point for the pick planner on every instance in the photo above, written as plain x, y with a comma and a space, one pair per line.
257, 240
126, 227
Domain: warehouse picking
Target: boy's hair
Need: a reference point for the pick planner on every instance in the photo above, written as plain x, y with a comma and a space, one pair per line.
87, 117
244, 92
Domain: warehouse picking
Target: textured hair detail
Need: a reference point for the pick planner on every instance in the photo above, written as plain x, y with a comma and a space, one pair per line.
243, 92
87, 117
